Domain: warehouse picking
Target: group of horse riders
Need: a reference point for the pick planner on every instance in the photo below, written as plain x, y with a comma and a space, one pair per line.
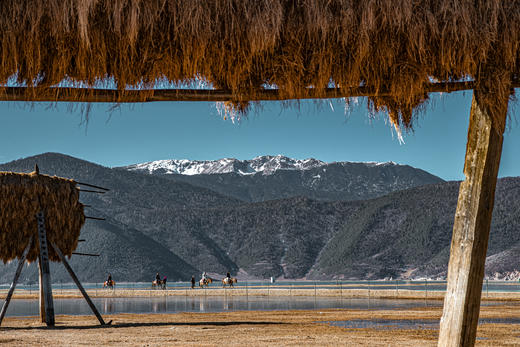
204, 281
158, 282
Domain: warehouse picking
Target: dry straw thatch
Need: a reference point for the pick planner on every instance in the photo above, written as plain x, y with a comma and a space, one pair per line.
239, 45
22, 196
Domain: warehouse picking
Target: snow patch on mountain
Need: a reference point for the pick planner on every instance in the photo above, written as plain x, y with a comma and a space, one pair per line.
265, 165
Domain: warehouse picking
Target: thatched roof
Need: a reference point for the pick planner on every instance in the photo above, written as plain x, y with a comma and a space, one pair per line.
396, 46
22, 196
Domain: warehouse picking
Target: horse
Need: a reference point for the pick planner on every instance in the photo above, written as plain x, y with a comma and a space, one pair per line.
205, 282
229, 281
159, 284
109, 284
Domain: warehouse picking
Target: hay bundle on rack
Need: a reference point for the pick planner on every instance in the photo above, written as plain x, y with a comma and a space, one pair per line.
22, 196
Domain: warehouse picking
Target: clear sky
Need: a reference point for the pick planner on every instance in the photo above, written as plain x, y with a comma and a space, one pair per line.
195, 130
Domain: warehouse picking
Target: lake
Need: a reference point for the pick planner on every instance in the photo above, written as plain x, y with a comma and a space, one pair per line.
175, 304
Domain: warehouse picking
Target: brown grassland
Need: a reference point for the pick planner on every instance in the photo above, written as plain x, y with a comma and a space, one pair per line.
255, 328
248, 328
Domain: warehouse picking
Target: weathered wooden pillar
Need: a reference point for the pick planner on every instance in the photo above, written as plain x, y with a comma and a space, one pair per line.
40, 292
472, 223
45, 280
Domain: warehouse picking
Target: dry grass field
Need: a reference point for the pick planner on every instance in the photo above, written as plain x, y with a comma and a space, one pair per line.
257, 328
249, 328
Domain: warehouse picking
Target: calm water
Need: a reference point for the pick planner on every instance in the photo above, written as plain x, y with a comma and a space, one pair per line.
408, 324
180, 303
175, 304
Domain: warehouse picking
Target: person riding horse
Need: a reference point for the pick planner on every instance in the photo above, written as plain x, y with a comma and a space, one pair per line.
158, 283
109, 283
205, 280
228, 280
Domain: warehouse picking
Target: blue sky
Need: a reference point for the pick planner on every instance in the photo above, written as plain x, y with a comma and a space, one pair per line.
183, 130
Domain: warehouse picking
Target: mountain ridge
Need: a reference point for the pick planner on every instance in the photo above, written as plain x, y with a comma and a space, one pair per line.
274, 177
265, 165
159, 224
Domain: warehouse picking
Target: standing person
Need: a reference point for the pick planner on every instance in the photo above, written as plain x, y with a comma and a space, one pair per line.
164, 282
157, 278
192, 282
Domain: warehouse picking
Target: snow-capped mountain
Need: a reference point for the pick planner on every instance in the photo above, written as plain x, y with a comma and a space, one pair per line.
265, 165
278, 177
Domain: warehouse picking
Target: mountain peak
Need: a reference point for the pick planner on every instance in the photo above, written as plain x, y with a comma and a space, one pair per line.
266, 165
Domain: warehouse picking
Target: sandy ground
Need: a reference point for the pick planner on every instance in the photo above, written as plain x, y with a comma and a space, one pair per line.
247, 328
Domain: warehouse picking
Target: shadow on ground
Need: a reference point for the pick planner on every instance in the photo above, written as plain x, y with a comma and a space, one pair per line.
136, 325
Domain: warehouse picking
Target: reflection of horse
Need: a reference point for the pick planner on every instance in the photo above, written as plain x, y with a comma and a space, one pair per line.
205, 282
109, 305
227, 281
109, 284
159, 284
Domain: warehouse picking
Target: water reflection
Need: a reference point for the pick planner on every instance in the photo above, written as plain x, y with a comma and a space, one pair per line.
108, 305
173, 304
159, 306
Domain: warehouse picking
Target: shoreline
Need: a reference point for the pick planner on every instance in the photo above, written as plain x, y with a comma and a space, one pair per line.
345, 293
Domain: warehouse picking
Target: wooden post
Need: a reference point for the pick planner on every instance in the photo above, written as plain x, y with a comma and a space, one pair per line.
469, 242
78, 283
45, 280
15, 280
40, 292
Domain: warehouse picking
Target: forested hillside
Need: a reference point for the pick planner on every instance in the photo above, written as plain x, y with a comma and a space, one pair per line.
157, 224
